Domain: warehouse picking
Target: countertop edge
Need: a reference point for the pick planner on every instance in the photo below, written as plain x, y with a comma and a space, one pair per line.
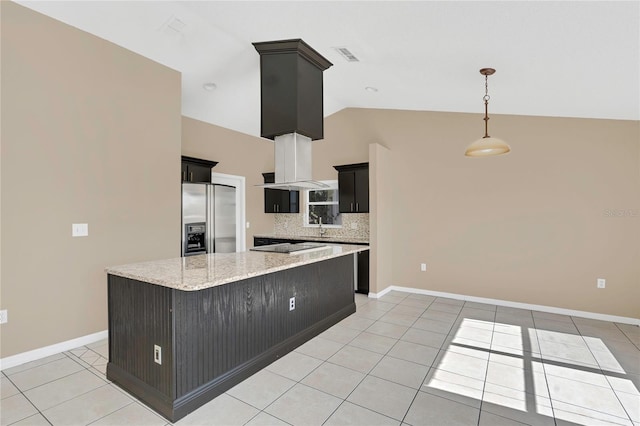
113, 270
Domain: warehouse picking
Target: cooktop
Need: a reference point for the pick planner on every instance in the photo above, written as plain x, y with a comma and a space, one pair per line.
288, 247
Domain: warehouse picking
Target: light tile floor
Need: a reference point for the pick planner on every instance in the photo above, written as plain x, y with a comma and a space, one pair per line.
403, 359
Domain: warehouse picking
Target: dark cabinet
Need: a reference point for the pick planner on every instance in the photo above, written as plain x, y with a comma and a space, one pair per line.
196, 170
280, 200
353, 188
291, 88
362, 286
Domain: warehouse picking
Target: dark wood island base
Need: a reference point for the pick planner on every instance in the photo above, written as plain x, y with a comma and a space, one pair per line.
214, 338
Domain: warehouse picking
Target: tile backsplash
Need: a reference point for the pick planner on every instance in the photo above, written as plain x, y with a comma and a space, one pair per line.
354, 225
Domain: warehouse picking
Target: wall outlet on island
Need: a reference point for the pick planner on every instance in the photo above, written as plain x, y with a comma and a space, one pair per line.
157, 354
602, 283
423, 267
4, 316
292, 303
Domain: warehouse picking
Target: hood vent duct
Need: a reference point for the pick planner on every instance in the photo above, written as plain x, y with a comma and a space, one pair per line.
291, 112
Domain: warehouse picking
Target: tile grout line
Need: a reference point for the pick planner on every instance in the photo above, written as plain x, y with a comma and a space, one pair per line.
543, 361
304, 377
43, 384
627, 336
544, 370
29, 401
486, 373
359, 383
383, 355
605, 376
365, 375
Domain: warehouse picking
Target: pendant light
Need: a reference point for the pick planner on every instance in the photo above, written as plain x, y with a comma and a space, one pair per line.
487, 145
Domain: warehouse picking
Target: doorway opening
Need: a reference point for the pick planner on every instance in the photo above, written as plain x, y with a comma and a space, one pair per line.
239, 183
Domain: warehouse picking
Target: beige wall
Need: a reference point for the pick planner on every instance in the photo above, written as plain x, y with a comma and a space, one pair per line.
381, 241
531, 226
90, 134
237, 154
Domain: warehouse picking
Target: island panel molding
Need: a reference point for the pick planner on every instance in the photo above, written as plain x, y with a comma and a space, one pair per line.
214, 338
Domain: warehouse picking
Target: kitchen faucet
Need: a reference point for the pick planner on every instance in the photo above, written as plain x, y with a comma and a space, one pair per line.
322, 230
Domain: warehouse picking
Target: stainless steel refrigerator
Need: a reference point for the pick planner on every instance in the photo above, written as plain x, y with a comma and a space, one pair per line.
208, 219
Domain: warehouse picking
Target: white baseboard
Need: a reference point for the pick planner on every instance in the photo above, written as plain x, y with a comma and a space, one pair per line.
507, 303
24, 357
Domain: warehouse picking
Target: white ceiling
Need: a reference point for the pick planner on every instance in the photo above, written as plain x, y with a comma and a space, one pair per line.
564, 58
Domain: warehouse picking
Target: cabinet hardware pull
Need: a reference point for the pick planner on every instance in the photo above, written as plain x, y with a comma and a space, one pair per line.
184, 175
351, 206
357, 208
190, 176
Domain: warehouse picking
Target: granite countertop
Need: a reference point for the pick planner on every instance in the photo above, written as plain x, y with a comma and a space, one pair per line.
331, 239
208, 270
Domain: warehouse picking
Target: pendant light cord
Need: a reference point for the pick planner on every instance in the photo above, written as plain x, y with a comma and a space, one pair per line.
486, 106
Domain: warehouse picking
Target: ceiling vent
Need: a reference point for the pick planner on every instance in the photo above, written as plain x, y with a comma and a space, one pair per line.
346, 54
173, 26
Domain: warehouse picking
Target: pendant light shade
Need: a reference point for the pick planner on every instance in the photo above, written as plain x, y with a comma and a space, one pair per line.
487, 146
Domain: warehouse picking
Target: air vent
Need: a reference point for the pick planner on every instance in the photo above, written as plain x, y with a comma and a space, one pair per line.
346, 53
173, 26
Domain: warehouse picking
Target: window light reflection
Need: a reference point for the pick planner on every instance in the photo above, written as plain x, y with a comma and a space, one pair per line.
502, 364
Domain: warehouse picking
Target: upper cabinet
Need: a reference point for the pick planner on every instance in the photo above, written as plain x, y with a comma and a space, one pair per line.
196, 170
280, 200
353, 188
291, 89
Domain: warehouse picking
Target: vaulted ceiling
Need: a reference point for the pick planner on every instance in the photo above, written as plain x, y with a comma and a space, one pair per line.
563, 58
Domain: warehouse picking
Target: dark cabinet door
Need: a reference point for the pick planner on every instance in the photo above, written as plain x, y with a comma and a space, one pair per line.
346, 192
199, 173
362, 190
272, 200
280, 200
196, 170
185, 172
363, 272
353, 188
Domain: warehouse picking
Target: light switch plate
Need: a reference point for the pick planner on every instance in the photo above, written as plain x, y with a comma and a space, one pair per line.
79, 229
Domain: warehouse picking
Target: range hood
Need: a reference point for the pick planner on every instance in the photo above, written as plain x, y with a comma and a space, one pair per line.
291, 112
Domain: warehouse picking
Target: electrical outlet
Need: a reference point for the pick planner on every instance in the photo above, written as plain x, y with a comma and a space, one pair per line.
248, 225
602, 283
423, 267
79, 229
157, 354
292, 303
4, 316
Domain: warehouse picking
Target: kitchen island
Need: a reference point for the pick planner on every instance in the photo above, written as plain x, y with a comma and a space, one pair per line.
182, 331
